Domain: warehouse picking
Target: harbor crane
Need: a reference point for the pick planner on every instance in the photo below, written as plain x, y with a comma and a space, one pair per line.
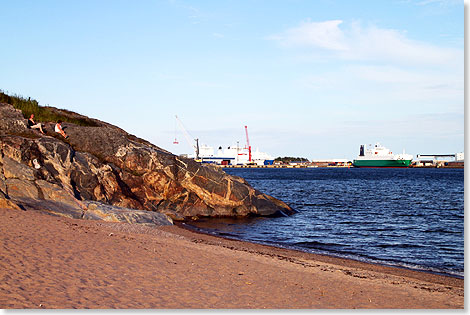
188, 138
176, 140
248, 146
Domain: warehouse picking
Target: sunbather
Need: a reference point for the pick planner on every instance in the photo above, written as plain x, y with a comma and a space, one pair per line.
33, 125
58, 129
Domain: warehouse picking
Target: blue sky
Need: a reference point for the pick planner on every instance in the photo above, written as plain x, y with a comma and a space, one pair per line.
309, 78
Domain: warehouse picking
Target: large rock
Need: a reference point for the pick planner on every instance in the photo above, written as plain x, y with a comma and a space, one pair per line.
99, 211
105, 164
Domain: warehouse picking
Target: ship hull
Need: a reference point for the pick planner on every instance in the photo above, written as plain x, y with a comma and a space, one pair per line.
381, 163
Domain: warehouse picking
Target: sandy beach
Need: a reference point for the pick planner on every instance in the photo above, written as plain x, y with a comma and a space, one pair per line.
60, 263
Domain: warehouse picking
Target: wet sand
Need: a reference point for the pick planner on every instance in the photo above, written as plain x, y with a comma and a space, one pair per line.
55, 262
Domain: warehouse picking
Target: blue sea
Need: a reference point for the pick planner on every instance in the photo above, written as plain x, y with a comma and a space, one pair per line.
412, 218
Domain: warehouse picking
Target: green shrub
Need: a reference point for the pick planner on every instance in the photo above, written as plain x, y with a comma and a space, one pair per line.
289, 159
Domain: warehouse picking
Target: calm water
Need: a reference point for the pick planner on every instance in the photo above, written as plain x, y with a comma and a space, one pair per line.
404, 217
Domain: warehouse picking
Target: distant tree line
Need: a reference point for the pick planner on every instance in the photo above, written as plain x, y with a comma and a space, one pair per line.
30, 106
289, 159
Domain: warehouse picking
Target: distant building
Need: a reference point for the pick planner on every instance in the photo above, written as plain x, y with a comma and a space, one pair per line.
297, 163
331, 162
440, 160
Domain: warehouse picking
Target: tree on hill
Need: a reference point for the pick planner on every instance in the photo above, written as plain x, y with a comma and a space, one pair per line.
290, 159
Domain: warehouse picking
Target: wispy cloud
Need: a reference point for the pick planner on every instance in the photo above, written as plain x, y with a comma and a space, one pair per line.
335, 39
194, 13
326, 35
388, 85
450, 126
440, 2
387, 75
423, 80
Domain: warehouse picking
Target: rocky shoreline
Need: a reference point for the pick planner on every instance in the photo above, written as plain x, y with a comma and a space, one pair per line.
104, 164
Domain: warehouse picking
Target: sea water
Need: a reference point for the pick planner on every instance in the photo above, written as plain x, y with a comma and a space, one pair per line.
411, 217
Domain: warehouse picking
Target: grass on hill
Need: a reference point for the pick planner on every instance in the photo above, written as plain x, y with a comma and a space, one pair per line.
44, 114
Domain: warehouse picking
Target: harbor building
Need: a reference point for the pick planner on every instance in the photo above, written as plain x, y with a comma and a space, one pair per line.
440, 160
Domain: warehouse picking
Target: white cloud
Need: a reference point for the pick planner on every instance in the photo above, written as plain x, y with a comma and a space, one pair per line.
354, 42
392, 45
440, 2
325, 35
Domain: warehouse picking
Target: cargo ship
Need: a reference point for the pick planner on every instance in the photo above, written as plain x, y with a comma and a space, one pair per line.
379, 156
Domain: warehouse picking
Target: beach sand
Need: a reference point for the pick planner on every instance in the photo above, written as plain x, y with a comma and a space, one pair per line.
55, 262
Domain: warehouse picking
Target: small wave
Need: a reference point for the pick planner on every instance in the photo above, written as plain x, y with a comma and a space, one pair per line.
319, 245
404, 245
442, 231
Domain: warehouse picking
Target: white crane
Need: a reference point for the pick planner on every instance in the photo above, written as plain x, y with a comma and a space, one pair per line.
188, 138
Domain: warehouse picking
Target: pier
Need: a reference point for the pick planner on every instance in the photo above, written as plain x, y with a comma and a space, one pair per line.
422, 161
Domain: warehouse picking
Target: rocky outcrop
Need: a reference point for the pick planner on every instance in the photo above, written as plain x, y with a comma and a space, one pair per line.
106, 165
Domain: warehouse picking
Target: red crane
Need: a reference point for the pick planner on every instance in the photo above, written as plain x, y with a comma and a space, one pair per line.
248, 146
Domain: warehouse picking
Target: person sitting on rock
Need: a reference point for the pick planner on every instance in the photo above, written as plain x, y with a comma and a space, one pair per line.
58, 129
32, 124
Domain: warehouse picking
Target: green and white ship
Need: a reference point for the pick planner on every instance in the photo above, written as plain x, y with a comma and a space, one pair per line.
379, 156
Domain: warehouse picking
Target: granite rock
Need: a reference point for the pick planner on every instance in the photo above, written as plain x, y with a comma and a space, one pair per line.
105, 164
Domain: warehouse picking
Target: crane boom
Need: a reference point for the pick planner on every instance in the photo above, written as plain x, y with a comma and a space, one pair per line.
188, 137
248, 144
